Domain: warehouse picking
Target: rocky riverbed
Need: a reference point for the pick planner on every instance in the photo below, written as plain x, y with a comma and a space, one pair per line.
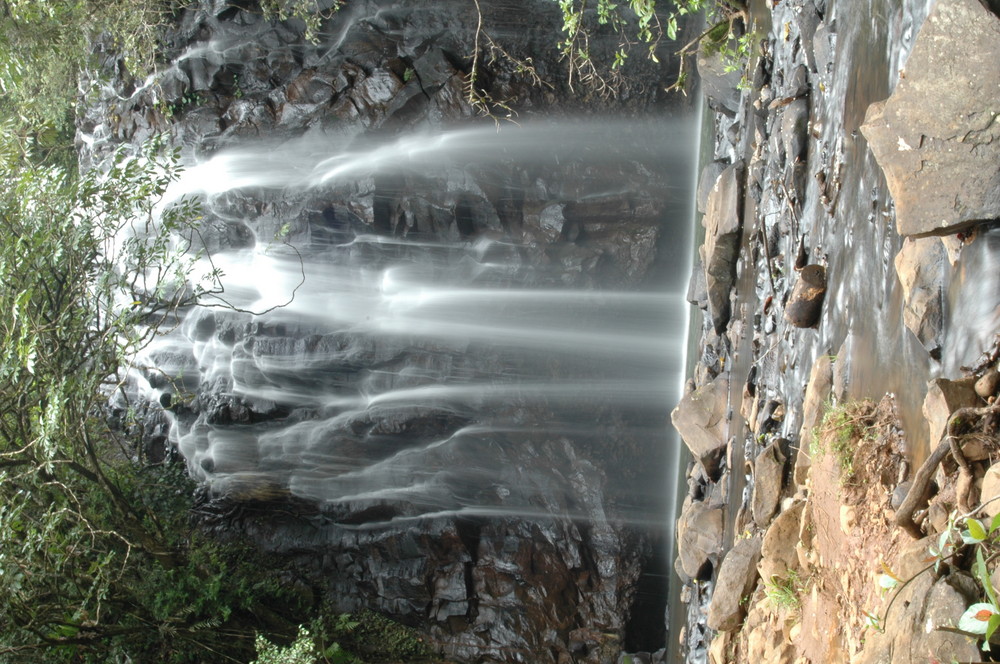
839, 224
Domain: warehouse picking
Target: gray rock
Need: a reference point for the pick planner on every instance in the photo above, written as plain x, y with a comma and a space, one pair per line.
940, 149
920, 266
706, 181
736, 580
697, 287
720, 87
700, 419
723, 224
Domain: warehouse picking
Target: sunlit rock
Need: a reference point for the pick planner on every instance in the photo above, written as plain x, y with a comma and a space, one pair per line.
938, 136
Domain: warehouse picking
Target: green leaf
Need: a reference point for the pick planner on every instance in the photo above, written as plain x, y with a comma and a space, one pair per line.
983, 574
995, 523
976, 529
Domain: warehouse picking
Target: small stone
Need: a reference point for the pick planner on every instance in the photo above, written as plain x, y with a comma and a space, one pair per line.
989, 383
848, 518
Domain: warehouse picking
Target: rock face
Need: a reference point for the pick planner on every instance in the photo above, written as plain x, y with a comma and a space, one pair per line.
940, 150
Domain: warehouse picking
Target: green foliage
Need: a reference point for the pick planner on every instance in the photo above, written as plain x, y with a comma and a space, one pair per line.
44, 44
785, 592
839, 432
308, 11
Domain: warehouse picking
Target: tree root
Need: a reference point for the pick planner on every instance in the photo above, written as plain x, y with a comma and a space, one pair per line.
917, 496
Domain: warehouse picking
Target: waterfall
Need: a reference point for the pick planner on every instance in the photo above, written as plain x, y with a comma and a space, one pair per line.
440, 369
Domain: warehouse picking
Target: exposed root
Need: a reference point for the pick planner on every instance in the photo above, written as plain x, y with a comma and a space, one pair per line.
917, 496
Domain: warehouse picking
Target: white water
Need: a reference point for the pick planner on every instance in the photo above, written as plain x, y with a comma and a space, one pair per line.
497, 342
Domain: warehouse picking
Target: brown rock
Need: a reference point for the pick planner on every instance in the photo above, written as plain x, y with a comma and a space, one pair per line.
736, 580
699, 536
778, 554
805, 304
920, 266
813, 403
943, 398
700, 419
989, 383
768, 482
939, 148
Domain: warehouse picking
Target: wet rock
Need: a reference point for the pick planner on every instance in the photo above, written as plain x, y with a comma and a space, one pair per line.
794, 130
736, 580
920, 266
805, 303
940, 150
700, 419
778, 553
719, 85
699, 537
697, 293
706, 181
768, 482
723, 223
823, 49
943, 398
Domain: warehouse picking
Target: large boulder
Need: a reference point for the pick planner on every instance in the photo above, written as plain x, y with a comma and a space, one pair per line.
722, 222
700, 419
699, 537
938, 136
920, 266
736, 580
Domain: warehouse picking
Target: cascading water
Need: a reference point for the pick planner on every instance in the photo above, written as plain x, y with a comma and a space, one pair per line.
439, 375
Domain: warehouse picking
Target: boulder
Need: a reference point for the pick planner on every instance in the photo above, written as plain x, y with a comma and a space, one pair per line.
989, 383
805, 304
936, 137
778, 551
768, 481
920, 267
722, 222
699, 537
700, 419
943, 398
737, 579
